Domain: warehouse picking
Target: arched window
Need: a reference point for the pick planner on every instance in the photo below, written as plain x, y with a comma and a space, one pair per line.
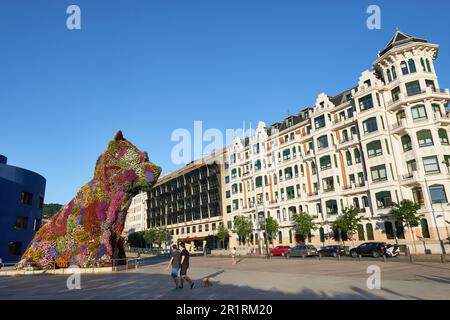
424, 138
360, 230
294, 152
280, 237
300, 208
290, 236
428, 65
353, 131
357, 156
374, 149
356, 202
369, 229
389, 75
422, 62
412, 66
345, 135
436, 109
424, 226
406, 142
389, 230
275, 178
348, 156
419, 112
280, 174
296, 171
404, 68
394, 73
400, 231
437, 192
443, 137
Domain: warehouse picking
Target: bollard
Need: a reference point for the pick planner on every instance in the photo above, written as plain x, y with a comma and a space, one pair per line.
384, 258
339, 257
359, 257
320, 256
411, 259
303, 256
443, 259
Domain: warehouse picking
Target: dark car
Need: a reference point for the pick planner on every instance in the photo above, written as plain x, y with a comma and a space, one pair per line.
307, 250
373, 249
332, 251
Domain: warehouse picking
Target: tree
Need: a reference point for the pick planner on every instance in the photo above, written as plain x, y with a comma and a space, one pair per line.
156, 236
222, 234
303, 224
406, 212
348, 222
136, 239
243, 226
49, 210
271, 226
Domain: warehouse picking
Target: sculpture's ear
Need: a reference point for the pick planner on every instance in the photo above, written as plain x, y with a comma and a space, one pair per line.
119, 136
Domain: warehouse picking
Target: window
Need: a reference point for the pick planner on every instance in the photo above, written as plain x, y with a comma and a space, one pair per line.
370, 125
37, 224
395, 94
331, 207
419, 112
383, 199
206, 227
290, 193
389, 75
258, 182
227, 194
418, 195
227, 179
200, 228
21, 223
413, 88
438, 195
378, 173
235, 204
424, 138
320, 122
366, 102
228, 209
41, 202
350, 112
328, 184
14, 248
368, 83
424, 227
257, 165
399, 230
286, 154
369, 229
436, 109
431, 164
357, 156
374, 149
422, 62
412, 66
430, 84
234, 188
412, 166
394, 72
26, 198
322, 142
443, 137
389, 230
213, 226
404, 68
406, 143
360, 230
428, 65
325, 163
348, 157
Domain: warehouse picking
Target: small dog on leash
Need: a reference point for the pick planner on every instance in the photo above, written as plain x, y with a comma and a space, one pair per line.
207, 282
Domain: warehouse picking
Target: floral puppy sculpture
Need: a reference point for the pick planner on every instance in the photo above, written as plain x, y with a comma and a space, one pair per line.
89, 227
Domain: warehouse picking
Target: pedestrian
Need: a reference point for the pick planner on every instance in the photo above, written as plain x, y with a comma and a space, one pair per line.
174, 264
1, 263
139, 259
233, 255
185, 266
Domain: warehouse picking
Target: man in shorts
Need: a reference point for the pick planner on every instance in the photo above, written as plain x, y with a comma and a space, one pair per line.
174, 264
185, 266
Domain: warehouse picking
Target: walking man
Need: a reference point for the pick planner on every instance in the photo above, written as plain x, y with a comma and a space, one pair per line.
185, 266
174, 263
233, 255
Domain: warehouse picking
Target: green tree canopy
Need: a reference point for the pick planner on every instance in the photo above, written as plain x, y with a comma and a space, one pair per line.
348, 221
303, 224
222, 233
50, 209
136, 239
156, 235
406, 212
243, 226
271, 226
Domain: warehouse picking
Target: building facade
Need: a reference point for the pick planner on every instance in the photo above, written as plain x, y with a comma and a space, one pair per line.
188, 202
380, 142
136, 219
21, 201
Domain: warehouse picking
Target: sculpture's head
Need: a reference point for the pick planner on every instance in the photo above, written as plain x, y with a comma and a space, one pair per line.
123, 167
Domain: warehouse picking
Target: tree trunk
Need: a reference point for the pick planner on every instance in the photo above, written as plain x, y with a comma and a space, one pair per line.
412, 237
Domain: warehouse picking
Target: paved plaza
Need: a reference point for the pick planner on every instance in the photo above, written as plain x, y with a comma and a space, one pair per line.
251, 278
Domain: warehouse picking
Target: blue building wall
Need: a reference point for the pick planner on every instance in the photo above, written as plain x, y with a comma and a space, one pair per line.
19, 221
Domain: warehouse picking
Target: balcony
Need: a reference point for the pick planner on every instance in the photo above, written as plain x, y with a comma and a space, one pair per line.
416, 95
399, 127
443, 120
409, 178
350, 142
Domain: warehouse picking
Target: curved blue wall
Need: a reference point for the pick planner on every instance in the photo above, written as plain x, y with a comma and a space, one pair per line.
13, 182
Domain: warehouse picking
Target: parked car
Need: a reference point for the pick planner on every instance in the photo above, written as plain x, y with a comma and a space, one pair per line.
304, 249
280, 250
332, 251
373, 249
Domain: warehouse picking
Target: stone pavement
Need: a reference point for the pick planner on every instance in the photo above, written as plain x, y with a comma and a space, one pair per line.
250, 279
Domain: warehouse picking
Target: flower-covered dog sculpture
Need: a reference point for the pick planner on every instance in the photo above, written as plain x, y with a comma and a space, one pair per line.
89, 227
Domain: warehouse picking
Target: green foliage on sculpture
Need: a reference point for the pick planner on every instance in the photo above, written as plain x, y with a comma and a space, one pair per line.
89, 227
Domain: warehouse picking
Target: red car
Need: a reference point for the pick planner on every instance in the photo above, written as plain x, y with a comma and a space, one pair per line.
280, 251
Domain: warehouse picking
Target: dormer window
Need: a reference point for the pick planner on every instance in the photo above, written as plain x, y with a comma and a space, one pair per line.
289, 122
322, 105
367, 83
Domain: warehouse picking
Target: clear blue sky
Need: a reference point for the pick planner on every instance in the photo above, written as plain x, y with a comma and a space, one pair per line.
149, 67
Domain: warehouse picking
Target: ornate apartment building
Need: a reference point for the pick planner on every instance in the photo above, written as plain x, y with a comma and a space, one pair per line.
188, 202
384, 140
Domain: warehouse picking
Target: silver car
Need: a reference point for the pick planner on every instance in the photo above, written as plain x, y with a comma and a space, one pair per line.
307, 250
